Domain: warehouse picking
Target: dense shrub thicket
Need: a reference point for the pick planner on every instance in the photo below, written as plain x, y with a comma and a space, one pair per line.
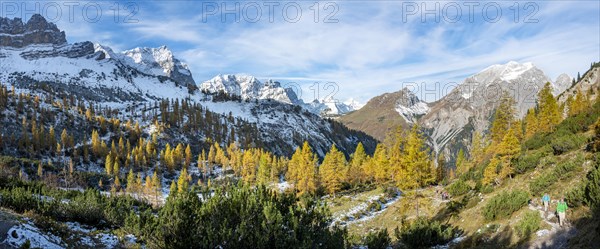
576, 196
378, 239
232, 217
528, 161
592, 186
458, 188
424, 233
88, 207
528, 224
566, 143
238, 217
561, 171
504, 204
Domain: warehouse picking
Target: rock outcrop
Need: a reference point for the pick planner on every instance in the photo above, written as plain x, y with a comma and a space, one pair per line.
15, 33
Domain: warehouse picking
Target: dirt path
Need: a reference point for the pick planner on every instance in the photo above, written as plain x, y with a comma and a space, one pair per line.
557, 237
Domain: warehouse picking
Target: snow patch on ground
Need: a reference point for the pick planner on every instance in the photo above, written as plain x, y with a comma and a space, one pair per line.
361, 209
21, 233
375, 214
75, 226
451, 243
108, 240
542, 232
282, 186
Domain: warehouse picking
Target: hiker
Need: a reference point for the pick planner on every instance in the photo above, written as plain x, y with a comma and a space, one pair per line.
546, 201
561, 209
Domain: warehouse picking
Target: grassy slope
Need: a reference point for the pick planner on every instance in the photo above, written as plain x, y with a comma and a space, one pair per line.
377, 117
469, 218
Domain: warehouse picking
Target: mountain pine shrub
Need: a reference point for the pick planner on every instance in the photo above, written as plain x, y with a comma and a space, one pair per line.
575, 197
528, 224
378, 239
561, 171
458, 188
424, 233
505, 204
528, 161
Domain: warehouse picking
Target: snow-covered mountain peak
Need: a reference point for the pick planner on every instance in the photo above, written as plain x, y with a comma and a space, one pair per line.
507, 72
512, 76
158, 61
107, 51
331, 107
249, 87
353, 104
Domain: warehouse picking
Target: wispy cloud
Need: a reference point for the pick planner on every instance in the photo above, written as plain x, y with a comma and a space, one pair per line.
370, 50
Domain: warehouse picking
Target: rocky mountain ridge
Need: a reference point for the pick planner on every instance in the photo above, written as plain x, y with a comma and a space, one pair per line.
248, 87
450, 121
96, 75
16, 33
386, 111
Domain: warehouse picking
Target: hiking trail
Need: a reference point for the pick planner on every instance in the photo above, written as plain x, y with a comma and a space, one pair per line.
556, 237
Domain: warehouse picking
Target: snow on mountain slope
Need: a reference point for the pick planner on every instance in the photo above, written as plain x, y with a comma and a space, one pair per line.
36, 52
470, 106
249, 88
328, 107
290, 125
158, 61
353, 104
385, 112
410, 107
85, 70
100, 76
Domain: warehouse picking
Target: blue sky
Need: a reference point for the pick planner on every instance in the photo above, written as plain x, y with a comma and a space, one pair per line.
365, 47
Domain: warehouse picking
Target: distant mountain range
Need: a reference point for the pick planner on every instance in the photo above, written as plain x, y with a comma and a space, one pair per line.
35, 57
249, 88
450, 121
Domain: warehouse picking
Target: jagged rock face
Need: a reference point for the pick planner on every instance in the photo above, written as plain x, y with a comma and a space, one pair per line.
89, 70
155, 61
249, 88
410, 107
562, 83
470, 107
15, 33
77, 50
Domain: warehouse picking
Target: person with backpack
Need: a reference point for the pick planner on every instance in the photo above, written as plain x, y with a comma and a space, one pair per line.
546, 201
561, 209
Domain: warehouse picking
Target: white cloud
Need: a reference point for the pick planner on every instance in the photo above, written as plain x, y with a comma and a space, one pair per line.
370, 50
